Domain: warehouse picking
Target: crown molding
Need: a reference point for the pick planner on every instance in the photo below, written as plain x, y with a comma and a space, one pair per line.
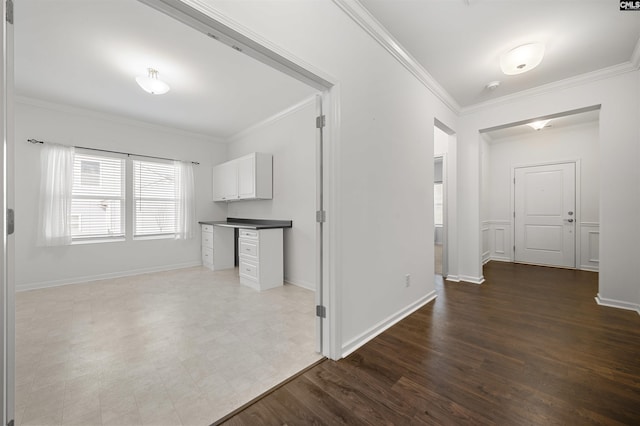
119, 119
202, 16
578, 80
361, 16
356, 11
273, 119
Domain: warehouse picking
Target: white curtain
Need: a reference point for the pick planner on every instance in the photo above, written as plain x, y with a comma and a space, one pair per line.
186, 203
56, 185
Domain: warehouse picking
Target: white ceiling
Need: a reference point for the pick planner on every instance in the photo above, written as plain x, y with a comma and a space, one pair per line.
459, 42
87, 53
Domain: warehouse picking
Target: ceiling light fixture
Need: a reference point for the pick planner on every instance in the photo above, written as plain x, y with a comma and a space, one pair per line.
538, 125
522, 59
152, 84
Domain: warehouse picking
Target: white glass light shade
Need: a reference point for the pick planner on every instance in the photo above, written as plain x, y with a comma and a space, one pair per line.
538, 125
522, 59
152, 84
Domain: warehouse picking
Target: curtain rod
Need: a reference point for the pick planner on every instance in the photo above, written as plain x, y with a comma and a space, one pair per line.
34, 141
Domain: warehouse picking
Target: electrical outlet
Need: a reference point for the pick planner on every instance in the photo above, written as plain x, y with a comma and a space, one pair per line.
407, 280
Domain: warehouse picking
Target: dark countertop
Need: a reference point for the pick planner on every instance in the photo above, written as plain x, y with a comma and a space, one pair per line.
234, 222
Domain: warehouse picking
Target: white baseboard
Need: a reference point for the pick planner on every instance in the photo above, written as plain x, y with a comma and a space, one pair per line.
472, 280
612, 303
89, 278
383, 325
485, 261
501, 259
589, 268
452, 278
301, 283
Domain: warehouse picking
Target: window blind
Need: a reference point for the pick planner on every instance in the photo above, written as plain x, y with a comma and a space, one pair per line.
155, 198
97, 206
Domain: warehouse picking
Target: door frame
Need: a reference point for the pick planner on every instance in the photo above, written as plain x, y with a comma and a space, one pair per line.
578, 205
212, 22
445, 222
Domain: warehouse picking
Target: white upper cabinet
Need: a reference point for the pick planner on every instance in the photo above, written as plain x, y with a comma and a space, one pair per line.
245, 178
225, 182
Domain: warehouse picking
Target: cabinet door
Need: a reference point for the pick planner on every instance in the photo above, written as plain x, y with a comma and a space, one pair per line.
225, 182
247, 177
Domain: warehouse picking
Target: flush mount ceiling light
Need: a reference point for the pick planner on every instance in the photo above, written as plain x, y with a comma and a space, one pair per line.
538, 125
522, 59
152, 84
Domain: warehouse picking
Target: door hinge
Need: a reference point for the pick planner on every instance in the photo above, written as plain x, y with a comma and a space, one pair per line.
320, 121
514, 248
514, 180
9, 16
321, 311
10, 221
321, 216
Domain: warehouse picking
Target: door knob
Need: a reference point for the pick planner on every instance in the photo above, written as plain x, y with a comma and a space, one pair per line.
570, 213
569, 220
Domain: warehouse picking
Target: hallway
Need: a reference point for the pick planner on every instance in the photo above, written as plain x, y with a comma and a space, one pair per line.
529, 346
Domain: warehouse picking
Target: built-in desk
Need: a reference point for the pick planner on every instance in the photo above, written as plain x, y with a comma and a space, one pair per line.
260, 249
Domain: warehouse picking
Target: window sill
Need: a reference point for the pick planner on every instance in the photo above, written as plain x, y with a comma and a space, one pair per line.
155, 237
97, 240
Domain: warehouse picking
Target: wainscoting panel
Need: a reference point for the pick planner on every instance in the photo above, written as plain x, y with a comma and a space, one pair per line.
500, 240
497, 243
486, 245
589, 246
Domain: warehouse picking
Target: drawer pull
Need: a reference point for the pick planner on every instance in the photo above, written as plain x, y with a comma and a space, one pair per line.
248, 270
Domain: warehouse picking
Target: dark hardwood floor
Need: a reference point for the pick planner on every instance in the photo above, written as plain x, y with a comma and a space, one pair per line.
528, 347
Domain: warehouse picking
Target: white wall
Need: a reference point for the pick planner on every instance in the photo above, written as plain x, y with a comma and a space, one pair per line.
43, 266
618, 152
579, 142
291, 139
383, 175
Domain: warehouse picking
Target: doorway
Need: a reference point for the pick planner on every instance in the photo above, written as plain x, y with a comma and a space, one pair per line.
545, 215
319, 254
438, 215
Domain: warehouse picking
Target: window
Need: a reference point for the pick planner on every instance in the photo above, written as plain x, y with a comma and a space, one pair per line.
100, 198
437, 204
97, 205
155, 198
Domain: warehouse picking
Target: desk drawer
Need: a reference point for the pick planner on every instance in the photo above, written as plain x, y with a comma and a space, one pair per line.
248, 269
207, 240
247, 248
207, 228
249, 233
207, 256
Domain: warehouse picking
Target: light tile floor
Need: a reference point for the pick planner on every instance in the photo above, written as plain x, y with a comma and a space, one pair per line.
183, 347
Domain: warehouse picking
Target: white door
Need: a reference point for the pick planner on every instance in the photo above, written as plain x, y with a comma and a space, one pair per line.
545, 215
